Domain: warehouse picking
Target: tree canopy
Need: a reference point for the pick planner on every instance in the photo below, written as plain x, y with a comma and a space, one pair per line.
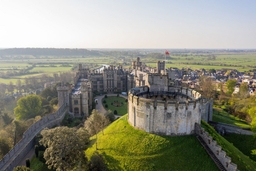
207, 87
28, 107
65, 147
230, 86
96, 122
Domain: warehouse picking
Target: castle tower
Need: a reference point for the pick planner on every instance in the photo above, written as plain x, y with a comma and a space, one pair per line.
160, 67
85, 99
63, 95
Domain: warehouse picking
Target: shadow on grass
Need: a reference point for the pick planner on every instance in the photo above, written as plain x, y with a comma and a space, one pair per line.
115, 164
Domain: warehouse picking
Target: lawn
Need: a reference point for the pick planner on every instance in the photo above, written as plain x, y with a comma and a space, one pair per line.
219, 115
245, 143
115, 103
37, 165
243, 162
126, 148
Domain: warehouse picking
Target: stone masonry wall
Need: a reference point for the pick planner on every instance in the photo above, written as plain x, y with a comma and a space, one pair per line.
216, 149
19, 151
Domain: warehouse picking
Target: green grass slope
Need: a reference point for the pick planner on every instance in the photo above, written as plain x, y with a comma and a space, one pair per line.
245, 143
243, 162
126, 148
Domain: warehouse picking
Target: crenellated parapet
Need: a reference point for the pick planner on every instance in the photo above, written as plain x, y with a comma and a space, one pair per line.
172, 112
216, 149
75, 96
63, 88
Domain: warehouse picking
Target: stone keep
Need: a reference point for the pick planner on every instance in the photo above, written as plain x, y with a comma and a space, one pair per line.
172, 112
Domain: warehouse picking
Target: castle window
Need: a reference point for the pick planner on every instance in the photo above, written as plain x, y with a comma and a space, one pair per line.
75, 102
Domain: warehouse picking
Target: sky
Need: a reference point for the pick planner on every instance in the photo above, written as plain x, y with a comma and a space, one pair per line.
200, 24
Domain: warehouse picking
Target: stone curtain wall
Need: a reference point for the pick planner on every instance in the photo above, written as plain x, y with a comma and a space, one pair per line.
14, 157
216, 149
230, 128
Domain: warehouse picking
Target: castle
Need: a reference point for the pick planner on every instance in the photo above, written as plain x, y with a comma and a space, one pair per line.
79, 97
156, 103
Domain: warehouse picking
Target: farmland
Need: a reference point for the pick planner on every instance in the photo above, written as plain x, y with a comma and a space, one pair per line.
20, 66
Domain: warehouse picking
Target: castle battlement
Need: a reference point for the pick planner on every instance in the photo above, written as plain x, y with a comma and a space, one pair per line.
75, 96
62, 88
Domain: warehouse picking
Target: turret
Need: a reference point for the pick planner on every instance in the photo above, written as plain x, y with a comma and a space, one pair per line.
63, 95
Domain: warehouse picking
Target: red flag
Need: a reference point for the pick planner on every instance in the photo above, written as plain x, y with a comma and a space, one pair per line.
166, 52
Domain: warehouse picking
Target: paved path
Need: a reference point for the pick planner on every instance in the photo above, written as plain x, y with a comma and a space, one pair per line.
30, 154
99, 106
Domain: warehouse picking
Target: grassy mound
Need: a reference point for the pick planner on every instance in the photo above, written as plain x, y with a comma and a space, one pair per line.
243, 162
126, 148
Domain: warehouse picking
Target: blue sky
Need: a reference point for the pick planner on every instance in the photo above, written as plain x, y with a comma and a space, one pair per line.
128, 23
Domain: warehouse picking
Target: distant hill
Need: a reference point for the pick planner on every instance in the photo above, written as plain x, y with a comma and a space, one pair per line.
49, 52
126, 148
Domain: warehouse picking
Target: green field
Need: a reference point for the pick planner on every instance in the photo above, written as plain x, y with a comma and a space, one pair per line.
126, 148
112, 100
241, 61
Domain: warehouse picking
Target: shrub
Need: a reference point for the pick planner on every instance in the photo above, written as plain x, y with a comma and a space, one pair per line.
126, 100
97, 162
106, 96
106, 106
36, 150
41, 156
117, 95
28, 163
104, 101
109, 114
115, 112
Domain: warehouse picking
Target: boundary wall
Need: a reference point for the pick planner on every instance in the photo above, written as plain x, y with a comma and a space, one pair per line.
216, 149
222, 128
19, 151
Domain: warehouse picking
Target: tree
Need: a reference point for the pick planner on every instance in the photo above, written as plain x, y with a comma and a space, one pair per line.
48, 92
243, 91
231, 86
95, 123
18, 85
110, 115
97, 162
115, 112
28, 163
65, 147
207, 87
19, 128
5, 147
10, 87
7, 118
28, 107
